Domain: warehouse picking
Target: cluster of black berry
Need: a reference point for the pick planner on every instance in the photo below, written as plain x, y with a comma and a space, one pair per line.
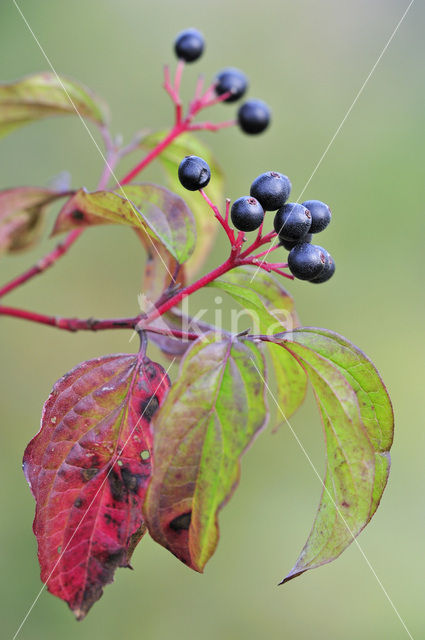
294, 223
253, 115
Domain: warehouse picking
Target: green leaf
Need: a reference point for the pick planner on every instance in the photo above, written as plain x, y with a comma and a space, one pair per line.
42, 95
158, 212
271, 308
206, 224
267, 302
208, 419
358, 422
22, 214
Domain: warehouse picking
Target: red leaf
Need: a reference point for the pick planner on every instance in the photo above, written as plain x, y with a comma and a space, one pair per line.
88, 468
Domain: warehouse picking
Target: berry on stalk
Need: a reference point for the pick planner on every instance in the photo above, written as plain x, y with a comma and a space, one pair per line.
189, 45
320, 215
271, 189
307, 261
292, 221
232, 80
194, 173
247, 214
254, 116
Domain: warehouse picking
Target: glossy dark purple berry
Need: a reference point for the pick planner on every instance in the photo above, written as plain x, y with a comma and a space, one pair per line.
307, 261
189, 45
327, 272
292, 221
254, 116
290, 244
271, 189
231, 80
247, 213
194, 173
320, 215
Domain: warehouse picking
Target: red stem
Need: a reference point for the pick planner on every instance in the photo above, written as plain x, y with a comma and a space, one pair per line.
172, 332
175, 131
91, 324
69, 324
258, 242
230, 263
223, 221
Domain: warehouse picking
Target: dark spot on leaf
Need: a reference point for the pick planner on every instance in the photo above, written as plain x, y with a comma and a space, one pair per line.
131, 480
110, 520
78, 502
148, 407
150, 371
181, 522
114, 559
116, 486
77, 215
345, 504
88, 474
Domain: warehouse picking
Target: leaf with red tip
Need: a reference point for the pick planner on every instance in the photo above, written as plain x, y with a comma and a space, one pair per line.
22, 215
208, 419
156, 211
88, 468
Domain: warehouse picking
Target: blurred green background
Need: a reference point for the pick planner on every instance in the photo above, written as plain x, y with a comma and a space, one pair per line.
308, 60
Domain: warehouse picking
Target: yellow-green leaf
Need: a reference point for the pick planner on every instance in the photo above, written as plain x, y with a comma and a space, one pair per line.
158, 212
44, 94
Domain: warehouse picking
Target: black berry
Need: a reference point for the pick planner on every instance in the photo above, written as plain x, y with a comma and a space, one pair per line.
247, 213
253, 116
189, 45
307, 261
320, 215
292, 221
271, 189
194, 173
327, 272
290, 244
231, 80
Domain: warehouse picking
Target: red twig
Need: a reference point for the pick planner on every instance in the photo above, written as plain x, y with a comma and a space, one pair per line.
226, 215
174, 133
223, 221
171, 332
211, 126
229, 264
259, 242
70, 324
267, 251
